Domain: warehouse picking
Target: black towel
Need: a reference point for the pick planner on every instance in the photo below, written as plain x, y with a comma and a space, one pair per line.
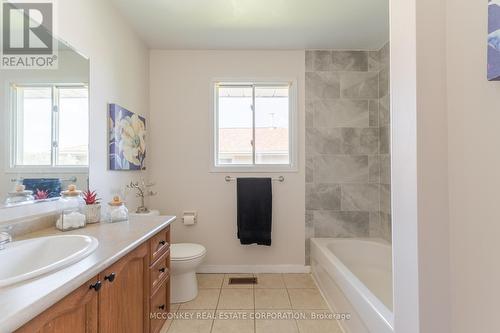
255, 210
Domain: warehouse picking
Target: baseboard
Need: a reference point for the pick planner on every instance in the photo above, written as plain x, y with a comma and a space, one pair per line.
254, 269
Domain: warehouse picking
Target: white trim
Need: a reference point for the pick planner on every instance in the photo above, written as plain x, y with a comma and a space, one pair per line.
293, 127
254, 269
404, 165
11, 151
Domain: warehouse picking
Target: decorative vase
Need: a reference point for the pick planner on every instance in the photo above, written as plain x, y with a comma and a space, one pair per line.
93, 213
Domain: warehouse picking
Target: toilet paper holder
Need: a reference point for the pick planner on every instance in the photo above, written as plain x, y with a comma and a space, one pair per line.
189, 218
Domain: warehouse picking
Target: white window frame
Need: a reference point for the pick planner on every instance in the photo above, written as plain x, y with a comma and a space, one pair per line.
11, 149
292, 131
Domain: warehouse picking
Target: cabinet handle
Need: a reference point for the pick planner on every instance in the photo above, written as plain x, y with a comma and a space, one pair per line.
161, 307
162, 242
110, 277
96, 286
162, 270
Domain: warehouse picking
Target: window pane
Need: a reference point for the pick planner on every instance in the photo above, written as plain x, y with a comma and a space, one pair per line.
235, 125
272, 125
34, 122
73, 127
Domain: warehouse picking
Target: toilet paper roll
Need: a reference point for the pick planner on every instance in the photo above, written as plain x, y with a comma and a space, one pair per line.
189, 220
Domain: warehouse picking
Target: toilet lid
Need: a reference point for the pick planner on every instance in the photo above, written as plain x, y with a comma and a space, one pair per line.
186, 251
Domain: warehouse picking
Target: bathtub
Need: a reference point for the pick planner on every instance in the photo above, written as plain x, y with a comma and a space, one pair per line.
355, 276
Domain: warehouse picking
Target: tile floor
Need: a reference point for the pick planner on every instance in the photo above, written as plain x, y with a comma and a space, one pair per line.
279, 303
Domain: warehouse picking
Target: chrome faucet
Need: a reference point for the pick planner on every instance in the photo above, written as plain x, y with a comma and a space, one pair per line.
5, 238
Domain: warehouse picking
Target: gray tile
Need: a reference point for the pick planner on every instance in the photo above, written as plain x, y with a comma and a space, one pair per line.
384, 110
380, 226
385, 169
322, 196
309, 218
341, 224
322, 60
309, 61
323, 141
341, 169
383, 82
360, 197
374, 61
360, 141
309, 114
384, 139
385, 54
349, 61
309, 170
373, 109
362, 85
320, 85
375, 225
385, 198
386, 225
309, 233
374, 169
341, 113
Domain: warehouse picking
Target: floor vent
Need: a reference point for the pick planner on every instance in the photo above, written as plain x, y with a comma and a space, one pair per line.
243, 280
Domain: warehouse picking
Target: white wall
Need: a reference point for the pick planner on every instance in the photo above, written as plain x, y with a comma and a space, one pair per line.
420, 167
180, 136
474, 158
119, 63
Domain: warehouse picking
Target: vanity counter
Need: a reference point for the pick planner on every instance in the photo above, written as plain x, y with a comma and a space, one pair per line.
22, 302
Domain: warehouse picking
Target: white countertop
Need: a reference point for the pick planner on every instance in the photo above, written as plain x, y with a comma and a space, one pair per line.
22, 302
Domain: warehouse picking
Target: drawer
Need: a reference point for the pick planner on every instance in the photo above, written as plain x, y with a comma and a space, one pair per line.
159, 244
159, 271
159, 308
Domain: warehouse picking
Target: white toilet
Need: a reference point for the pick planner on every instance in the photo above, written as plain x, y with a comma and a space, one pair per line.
184, 259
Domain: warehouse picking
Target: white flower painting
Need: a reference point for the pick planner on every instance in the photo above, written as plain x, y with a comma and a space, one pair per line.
494, 40
127, 139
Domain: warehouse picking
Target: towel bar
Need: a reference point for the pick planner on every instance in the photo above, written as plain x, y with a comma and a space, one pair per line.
280, 179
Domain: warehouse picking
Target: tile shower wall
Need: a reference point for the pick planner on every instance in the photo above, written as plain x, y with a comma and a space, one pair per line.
347, 144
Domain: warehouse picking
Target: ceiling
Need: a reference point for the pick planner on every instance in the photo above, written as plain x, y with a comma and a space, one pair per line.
259, 24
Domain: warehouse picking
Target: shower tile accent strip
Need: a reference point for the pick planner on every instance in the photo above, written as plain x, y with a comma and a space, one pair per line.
347, 144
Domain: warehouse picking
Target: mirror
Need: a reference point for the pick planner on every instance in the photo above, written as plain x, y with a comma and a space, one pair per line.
45, 123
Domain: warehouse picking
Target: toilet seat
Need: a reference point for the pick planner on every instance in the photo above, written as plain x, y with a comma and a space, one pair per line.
186, 251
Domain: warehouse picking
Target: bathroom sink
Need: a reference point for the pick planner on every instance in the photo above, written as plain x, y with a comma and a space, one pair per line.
23, 260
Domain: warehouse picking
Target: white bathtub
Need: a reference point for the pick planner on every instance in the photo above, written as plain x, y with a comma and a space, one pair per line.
355, 276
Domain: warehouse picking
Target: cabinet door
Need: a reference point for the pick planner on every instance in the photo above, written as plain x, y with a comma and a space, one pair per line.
123, 299
76, 313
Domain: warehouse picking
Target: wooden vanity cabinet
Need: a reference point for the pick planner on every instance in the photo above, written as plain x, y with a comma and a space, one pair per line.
123, 296
120, 299
76, 313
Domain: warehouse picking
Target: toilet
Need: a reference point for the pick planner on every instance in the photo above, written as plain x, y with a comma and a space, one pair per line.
184, 259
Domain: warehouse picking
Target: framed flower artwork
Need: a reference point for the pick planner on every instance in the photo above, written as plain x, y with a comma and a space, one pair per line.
127, 139
494, 40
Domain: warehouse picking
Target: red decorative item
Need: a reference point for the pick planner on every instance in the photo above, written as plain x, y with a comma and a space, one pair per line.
41, 194
90, 197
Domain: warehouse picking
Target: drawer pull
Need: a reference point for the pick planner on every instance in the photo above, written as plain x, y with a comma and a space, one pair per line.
162, 242
161, 307
162, 270
96, 286
111, 277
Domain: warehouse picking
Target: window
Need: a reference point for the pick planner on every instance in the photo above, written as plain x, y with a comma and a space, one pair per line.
254, 126
50, 126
